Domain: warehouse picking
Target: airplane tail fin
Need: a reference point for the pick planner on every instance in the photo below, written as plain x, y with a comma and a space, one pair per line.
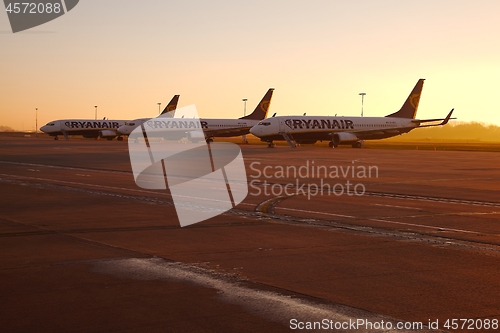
260, 111
410, 106
171, 107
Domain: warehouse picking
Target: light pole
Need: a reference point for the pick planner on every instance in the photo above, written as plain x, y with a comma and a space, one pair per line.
36, 123
95, 112
244, 106
159, 104
244, 137
362, 100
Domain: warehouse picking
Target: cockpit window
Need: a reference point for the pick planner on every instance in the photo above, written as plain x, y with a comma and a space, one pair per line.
264, 123
50, 124
131, 124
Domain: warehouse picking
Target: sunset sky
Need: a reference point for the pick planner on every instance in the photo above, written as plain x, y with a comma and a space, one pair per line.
126, 56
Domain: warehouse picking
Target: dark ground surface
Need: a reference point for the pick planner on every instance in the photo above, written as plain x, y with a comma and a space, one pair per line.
83, 249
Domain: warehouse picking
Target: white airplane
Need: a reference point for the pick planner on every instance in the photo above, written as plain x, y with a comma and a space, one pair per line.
90, 128
211, 127
345, 130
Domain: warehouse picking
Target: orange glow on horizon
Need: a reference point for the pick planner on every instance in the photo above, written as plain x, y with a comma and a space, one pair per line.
319, 58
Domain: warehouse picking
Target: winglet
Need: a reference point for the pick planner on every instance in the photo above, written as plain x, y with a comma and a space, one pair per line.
445, 121
260, 111
171, 106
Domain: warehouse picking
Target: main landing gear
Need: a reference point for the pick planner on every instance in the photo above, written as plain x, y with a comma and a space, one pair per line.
332, 144
358, 144
271, 144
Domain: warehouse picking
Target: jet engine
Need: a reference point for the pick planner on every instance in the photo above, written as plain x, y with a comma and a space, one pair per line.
108, 134
195, 136
344, 138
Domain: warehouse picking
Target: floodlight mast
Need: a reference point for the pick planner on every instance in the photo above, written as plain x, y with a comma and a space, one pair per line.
362, 100
245, 106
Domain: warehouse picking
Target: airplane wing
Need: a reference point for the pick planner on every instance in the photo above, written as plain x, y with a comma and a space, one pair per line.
379, 133
444, 121
235, 131
382, 132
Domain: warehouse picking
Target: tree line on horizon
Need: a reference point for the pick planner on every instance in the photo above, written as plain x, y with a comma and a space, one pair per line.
456, 131
6, 129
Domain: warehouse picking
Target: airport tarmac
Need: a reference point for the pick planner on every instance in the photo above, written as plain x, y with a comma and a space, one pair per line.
413, 238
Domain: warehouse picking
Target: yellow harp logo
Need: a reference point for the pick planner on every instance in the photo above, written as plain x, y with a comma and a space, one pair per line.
414, 99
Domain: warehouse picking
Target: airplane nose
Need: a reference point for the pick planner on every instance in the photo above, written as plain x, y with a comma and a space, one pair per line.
43, 129
123, 130
255, 130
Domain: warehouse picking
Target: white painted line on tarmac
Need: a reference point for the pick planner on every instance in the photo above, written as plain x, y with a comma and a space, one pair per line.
434, 180
396, 206
310, 211
478, 213
425, 226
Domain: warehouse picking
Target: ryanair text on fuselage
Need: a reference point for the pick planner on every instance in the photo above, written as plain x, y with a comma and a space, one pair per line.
173, 124
92, 124
319, 124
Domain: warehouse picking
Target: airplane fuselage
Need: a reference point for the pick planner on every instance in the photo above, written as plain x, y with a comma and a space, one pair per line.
228, 127
309, 129
86, 127
222, 127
